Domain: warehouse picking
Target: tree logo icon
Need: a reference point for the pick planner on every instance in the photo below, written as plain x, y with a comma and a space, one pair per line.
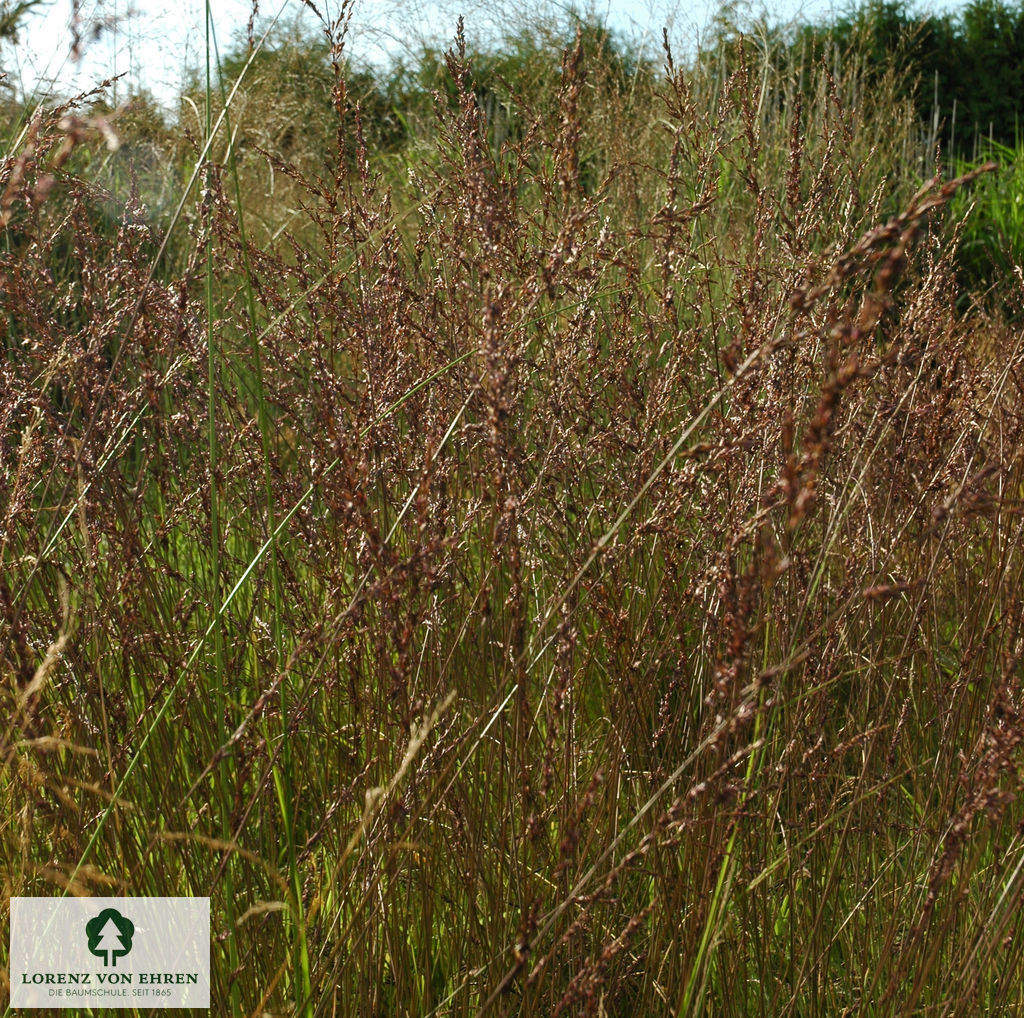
110, 936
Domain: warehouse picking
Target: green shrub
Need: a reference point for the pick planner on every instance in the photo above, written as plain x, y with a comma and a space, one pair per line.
992, 235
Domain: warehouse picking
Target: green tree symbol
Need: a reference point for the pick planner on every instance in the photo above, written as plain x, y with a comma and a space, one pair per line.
110, 935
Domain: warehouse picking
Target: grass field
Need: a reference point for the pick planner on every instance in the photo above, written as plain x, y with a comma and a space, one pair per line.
569, 565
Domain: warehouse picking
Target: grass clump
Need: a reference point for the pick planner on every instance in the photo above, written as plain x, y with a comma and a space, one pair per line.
572, 572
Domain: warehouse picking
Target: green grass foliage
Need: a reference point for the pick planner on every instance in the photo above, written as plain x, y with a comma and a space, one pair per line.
564, 560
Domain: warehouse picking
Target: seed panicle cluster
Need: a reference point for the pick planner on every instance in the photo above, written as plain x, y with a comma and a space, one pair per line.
574, 570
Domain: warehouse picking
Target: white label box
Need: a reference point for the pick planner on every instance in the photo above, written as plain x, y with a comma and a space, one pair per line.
110, 952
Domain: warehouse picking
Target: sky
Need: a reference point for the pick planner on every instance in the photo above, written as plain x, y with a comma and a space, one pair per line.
154, 43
